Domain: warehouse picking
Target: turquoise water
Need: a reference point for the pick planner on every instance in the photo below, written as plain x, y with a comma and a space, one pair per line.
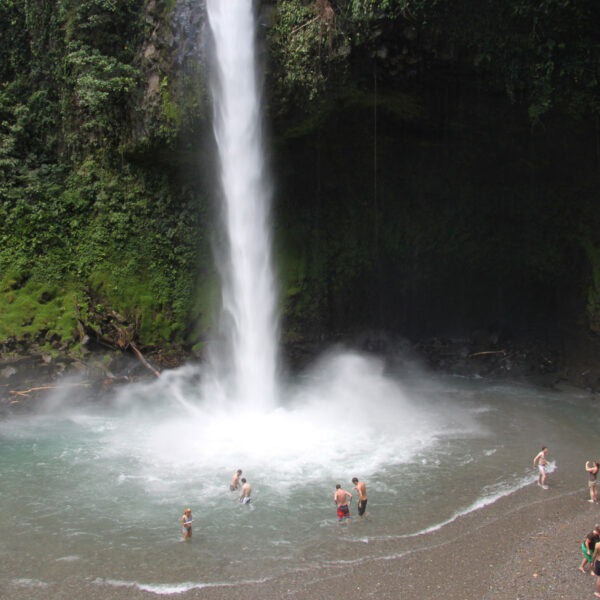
96, 491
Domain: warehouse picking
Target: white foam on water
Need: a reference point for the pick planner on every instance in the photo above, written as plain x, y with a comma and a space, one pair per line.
26, 582
489, 495
165, 589
344, 412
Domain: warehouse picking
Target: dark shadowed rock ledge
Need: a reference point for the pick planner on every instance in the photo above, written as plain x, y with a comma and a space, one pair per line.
570, 361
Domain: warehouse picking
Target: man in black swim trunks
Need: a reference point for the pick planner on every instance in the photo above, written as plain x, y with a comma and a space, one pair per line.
361, 488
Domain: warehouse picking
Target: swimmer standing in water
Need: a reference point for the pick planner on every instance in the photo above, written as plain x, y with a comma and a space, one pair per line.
361, 488
186, 524
542, 461
341, 499
235, 481
246, 491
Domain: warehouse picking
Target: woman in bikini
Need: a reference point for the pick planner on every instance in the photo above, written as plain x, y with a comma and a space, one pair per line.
186, 524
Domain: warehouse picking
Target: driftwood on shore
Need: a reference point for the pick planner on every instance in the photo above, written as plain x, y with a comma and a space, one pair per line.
123, 335
27, 393
503, 352
42, 388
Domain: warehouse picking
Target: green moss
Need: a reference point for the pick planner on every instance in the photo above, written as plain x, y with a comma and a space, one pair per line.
169, 7
127, 293
170, 108
37, 308
202, 314
13, 280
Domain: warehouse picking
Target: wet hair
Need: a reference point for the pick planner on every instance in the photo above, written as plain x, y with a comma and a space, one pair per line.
337, 486
544, 448
187, 510
243, 480
355, 480
239, 471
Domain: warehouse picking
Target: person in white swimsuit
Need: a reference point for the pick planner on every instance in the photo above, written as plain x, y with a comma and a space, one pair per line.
542, 461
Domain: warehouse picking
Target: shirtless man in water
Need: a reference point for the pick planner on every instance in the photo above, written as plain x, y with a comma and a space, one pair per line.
361, 488
542, 461
341, 499
246, 491
235, 481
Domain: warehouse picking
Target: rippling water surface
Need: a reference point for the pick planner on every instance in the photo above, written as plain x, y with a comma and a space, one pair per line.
97, 491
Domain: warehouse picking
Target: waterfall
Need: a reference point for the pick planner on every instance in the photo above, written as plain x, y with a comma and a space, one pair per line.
248, 288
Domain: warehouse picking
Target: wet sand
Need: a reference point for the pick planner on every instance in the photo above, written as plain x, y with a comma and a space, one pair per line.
525, 546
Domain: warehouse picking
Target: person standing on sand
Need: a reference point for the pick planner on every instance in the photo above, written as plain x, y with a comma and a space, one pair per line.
592, 468
541, 460
235, 481
186, 524
596, 569
361, 488
341, 499
246, 491
588, 546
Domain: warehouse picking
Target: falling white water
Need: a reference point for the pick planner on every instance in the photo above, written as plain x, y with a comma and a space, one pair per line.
249, 297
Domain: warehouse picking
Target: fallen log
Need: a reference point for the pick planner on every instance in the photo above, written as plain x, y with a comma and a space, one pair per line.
124, 339
142, 359
503, 352
25, 393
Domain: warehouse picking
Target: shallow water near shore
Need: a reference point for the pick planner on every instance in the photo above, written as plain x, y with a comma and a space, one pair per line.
97, 491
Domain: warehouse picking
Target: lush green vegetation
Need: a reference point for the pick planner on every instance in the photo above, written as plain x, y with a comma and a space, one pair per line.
84, 211
436, 163
543, 55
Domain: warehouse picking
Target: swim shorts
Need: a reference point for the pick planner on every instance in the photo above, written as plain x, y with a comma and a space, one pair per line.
343, 512
245, 500
586, 553
597, 568
362, 506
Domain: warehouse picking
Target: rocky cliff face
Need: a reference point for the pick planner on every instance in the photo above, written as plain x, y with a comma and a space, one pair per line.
172, 67
436, 170
433, 180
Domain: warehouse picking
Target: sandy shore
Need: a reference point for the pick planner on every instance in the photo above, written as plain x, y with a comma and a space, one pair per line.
525, 546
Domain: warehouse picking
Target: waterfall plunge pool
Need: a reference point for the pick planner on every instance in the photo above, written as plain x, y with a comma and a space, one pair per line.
96, 491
